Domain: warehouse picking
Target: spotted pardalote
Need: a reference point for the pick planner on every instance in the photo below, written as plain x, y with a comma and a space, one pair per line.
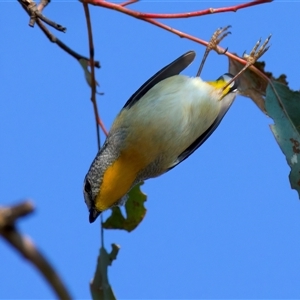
161, 125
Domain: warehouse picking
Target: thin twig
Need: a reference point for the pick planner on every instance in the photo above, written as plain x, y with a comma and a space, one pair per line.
93, 82
49, 22
35, 13
8, 217
92, 51
53, 39
42, 5
128, 2
101, 124
93, 94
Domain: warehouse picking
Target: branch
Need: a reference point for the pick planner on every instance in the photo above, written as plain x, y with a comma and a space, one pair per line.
181, 34
53, 39
128, 2
42, 4
139, 15
34, 13
93, 81
8, 217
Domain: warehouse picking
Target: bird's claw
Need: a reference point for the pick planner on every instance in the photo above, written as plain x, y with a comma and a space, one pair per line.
252, 57
256, 54
213, 44
216, 39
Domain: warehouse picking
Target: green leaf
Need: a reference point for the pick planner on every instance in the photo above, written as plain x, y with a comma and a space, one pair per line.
283, 106
99, 286
135, 212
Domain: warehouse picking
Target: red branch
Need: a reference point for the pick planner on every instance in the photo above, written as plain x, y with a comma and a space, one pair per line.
181, 34
128, 2
121, 8
93, 83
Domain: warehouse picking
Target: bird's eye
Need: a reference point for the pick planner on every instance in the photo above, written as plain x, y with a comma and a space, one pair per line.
87, 187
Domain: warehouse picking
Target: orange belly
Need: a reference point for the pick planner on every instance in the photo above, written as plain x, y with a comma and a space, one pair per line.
119, 177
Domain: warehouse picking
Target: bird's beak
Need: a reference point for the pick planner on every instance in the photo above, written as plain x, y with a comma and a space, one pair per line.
224, 93
93, 215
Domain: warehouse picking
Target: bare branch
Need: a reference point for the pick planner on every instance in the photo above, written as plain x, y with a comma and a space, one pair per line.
181, 34
93, 81
8, 217
35, 13
42, 4
128, 2
53, 39
121, 8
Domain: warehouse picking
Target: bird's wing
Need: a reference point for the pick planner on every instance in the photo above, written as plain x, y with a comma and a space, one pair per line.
226, 103
174, 68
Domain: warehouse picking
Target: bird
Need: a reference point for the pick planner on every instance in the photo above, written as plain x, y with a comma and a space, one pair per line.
161, 125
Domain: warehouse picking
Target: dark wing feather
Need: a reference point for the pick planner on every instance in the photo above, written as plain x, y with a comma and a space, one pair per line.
174, 68
226, 103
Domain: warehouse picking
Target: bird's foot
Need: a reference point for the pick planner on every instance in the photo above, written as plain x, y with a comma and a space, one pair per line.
252, 58
217, 38
213, 44
256, 54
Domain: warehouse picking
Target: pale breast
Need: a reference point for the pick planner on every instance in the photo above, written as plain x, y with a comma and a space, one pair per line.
170, 117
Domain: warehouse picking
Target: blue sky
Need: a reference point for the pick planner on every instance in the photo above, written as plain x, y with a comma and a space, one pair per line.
223, 224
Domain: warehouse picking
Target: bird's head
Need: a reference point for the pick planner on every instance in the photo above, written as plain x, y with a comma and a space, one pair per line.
89, 198
222, 85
